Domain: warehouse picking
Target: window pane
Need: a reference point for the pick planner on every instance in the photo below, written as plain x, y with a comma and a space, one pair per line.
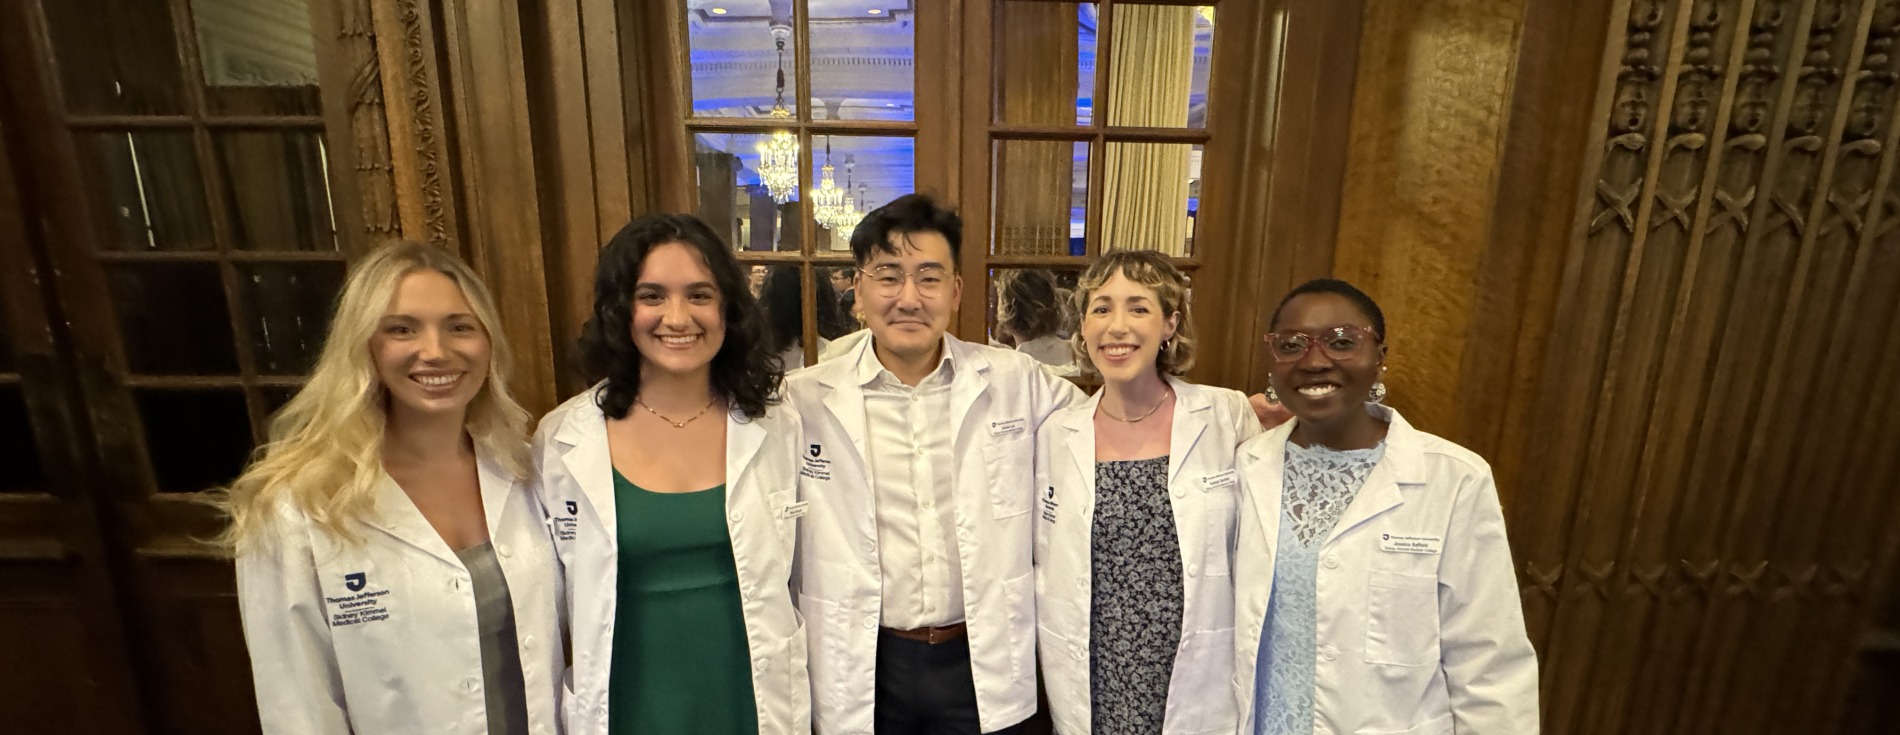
259, 58
280, 190
1030, 312
1158, 66
145, 190
1045, 63
19, 454
1041, 197
290, 306
735, 199
1151, 195
843, 282
197, 439
781, 296
116, 56
862, 60
739, 67
272, 398
172, 318
866, 171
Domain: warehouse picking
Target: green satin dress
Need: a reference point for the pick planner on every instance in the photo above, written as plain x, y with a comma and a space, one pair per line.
680, 660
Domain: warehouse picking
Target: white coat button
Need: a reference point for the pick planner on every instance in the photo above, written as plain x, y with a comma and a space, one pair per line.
736, 516
1194, 570
1081, 584
527, 642
1179, 493
870, 622
502, 549
870, 546
1332, 562
1328, 653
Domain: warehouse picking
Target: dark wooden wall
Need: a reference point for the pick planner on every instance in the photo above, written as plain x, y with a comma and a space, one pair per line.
1644, 255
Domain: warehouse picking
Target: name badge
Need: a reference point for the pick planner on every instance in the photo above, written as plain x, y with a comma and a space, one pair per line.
1409, 544
1218, 481
1007, 428
795, 510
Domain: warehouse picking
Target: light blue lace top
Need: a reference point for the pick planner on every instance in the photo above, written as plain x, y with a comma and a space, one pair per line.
1319, 484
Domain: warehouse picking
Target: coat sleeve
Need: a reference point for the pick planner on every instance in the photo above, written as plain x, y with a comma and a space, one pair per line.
299, 685
1490, 668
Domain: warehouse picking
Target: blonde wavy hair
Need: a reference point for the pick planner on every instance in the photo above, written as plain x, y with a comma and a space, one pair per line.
1148, 268
324, 454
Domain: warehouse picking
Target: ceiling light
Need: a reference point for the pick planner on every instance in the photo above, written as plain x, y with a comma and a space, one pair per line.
719, 11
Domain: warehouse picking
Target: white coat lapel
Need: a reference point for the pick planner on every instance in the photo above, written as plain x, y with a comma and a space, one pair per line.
846, 405
496, 486
1079, 424
743, 439
1265, 468
1398, 466
398, 516
583, 450
1190, 421
972, 378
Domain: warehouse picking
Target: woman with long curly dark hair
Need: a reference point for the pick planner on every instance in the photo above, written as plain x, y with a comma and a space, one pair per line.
676, 527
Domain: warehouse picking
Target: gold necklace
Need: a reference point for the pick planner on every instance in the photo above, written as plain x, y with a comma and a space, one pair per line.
676, 424
1158, 404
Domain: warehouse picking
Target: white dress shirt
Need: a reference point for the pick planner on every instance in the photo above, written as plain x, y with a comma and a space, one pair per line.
910, 458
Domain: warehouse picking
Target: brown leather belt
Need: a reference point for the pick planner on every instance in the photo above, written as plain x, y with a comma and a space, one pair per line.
932, 636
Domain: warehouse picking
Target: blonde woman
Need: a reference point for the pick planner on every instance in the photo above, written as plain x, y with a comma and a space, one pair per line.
394, 569
1136, 517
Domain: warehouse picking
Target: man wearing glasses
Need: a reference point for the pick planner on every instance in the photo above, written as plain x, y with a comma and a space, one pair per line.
914, 570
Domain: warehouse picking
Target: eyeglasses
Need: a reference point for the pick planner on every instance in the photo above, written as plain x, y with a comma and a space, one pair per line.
1338, 343
888, 280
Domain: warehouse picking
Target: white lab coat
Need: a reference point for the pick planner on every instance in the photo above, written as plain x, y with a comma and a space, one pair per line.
1209, 424
381, 636
998, 399
1420, 630
575, 481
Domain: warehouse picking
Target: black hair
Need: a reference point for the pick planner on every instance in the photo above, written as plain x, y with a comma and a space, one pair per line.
905, 215
1339, 288
745, 370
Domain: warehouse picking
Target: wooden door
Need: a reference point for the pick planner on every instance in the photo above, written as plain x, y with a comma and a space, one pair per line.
180, 259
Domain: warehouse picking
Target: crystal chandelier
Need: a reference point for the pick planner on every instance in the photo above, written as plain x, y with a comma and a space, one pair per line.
829, 201
853, 213
778, 157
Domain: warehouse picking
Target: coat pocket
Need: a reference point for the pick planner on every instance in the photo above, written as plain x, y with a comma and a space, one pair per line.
1401, 619
1012, 487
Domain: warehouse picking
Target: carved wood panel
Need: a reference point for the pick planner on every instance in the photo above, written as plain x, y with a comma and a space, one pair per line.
1712, 508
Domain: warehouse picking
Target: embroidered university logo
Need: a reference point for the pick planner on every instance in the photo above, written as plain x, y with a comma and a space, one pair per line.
354, 581
816, 450
573, 508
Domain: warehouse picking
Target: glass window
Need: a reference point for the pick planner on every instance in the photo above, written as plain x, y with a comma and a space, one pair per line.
861, 60
744, 58
1151, 196
1158, 66
1040, 197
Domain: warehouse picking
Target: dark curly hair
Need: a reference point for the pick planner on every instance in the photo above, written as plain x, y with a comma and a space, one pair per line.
1338, 288
746, 369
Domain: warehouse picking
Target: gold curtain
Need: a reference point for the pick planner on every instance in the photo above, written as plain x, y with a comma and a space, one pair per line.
1038, 49
1145, 185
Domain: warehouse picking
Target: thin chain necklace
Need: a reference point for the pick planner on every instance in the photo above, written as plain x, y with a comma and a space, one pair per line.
676, 424
1158, 404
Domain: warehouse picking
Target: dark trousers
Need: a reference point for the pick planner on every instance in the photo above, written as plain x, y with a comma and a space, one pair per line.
927, 689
